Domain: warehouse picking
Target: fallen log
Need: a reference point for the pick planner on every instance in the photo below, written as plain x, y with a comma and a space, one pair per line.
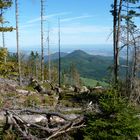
49, 124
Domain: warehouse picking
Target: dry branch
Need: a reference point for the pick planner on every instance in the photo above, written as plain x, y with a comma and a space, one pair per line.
47, 128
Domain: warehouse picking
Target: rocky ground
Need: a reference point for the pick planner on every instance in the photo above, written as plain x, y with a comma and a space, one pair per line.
35, 104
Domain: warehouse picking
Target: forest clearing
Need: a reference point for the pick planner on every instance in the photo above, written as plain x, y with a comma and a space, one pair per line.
76, 95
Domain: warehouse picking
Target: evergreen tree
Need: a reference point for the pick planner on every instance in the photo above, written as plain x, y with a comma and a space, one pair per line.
74, 75
32, 65
36, 65
6, 69
4, 5
115, 119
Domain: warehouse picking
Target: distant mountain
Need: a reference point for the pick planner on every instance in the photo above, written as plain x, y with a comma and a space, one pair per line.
89, 66
55, 56
78, 54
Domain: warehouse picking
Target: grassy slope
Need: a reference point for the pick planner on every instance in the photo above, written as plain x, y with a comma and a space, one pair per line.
92, 82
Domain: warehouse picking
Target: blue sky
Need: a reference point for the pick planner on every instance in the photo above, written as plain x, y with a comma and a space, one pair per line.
82, 22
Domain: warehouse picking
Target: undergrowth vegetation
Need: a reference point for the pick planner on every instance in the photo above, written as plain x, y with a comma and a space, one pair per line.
116, 119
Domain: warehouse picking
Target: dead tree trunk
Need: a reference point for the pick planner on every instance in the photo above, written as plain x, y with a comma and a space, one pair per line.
49, 55
135, 61
127, 53
49, 125
114, 37
42, 40
118, 40
59, 53
17, 40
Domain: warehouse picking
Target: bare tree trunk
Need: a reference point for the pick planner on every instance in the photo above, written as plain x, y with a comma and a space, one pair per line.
42, 41
118, 40
3, 42
114, 38
3, 37
59, 53
17, 39
127, 53
49, 55
47, 125
36, 70
135, 62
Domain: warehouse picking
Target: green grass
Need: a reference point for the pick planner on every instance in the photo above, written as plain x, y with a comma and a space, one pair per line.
93, 83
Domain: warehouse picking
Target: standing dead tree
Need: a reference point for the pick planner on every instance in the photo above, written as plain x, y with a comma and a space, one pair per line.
17, 41
42, 40
49, 55
3, 37
59, 65
133, 82
123, 14
116, 12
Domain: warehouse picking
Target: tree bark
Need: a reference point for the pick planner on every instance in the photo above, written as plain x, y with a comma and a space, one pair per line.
114, 37
46, 127
17, 39
42, 41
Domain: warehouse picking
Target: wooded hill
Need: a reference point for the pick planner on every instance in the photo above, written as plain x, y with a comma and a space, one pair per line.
54, 97
89, 66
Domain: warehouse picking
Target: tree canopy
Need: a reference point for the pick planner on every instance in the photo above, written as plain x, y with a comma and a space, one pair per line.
4, 5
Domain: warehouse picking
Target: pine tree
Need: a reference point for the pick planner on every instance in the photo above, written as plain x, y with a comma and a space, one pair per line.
74, 75
6, 69
4, 5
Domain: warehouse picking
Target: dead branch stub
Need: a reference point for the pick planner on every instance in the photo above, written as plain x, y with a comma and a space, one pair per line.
53, 124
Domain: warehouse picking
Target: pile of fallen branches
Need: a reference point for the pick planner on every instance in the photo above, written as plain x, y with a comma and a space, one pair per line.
39, 124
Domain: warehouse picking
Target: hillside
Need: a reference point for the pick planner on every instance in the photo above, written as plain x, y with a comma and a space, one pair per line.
89, 66
55, 56
93, 83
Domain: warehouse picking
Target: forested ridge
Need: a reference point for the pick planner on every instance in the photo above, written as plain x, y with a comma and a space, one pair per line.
71, 96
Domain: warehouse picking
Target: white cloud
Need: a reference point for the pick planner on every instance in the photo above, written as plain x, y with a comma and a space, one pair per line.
26, 26
78, 29
82, 34
48, 17
32, 23
76, 18
70, 34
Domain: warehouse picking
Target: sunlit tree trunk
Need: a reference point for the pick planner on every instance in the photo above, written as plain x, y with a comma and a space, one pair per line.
49, 55
36, 65
127, 53
135, 61
42, 41
114, 37
17, 40
59, 69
